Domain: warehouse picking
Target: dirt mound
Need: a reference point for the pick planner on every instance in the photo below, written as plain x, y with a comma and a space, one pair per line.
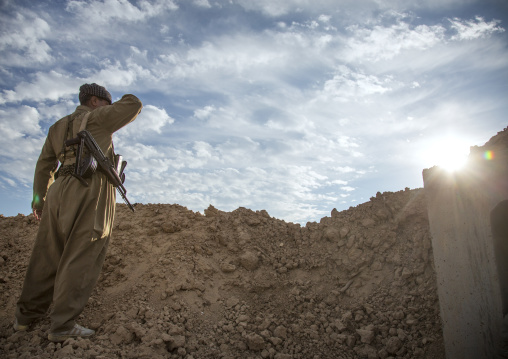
179, 284
500, 139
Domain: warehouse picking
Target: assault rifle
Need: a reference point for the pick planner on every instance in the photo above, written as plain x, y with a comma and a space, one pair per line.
87, 165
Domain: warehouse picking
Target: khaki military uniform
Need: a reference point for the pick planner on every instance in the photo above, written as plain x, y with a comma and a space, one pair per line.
76, 222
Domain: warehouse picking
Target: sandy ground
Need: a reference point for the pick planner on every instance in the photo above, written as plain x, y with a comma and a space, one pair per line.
179, 284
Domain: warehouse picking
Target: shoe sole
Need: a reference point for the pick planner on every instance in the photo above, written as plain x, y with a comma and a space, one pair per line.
20, 328
56, 338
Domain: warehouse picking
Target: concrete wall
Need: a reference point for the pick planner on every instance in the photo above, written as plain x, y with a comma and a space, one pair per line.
469, 285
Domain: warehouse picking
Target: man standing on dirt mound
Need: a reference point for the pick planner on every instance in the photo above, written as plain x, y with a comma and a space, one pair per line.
75, 220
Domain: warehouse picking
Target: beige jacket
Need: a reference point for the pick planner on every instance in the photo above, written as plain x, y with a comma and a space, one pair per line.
102, 123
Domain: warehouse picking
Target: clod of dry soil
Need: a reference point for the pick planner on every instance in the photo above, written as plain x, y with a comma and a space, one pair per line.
179, 284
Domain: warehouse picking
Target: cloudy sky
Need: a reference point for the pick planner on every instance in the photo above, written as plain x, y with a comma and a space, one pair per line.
292, 106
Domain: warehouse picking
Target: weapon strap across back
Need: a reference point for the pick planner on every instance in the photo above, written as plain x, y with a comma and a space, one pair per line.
61, 158
70, 135
84, 122
83, 127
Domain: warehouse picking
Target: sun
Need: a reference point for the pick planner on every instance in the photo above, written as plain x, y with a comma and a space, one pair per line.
449, 153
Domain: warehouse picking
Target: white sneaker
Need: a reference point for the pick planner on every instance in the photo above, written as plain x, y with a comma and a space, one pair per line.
20, 327
77, 331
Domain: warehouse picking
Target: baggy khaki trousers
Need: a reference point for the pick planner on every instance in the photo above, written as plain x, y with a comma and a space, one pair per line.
69, 250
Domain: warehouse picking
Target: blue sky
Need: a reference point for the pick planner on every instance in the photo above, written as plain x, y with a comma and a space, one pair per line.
296, 107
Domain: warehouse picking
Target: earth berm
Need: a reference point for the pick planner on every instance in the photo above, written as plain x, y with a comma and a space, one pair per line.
241, 284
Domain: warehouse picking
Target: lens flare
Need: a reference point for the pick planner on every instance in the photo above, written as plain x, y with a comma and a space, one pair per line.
488, 155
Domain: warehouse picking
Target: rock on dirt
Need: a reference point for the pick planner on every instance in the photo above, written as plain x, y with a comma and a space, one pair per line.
241, 284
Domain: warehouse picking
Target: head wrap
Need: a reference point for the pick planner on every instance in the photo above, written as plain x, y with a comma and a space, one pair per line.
94, 90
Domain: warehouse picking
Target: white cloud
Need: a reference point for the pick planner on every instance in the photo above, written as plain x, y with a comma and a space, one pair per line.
236, 59
347, 142
337, 182
22, 140
385, 42
279, 8
151, 121
117, 75
22, 40
203, 150
345, 169
9, 181
325, 18
164, 29
55, 86
204, 113
100, 12
349, 85
474, 29
51, 112
138, 152
347, 188
45, 86
270, 7
229, 56
136, 51
202, 3
20, 122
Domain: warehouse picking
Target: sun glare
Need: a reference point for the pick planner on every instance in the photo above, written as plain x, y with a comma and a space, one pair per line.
449, 153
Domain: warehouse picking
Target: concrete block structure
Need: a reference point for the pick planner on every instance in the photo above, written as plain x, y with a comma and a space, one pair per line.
468, 216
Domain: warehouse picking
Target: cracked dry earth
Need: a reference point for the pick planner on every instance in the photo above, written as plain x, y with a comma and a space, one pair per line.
241, 284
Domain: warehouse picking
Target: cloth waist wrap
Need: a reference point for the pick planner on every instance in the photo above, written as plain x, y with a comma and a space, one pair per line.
68, 170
